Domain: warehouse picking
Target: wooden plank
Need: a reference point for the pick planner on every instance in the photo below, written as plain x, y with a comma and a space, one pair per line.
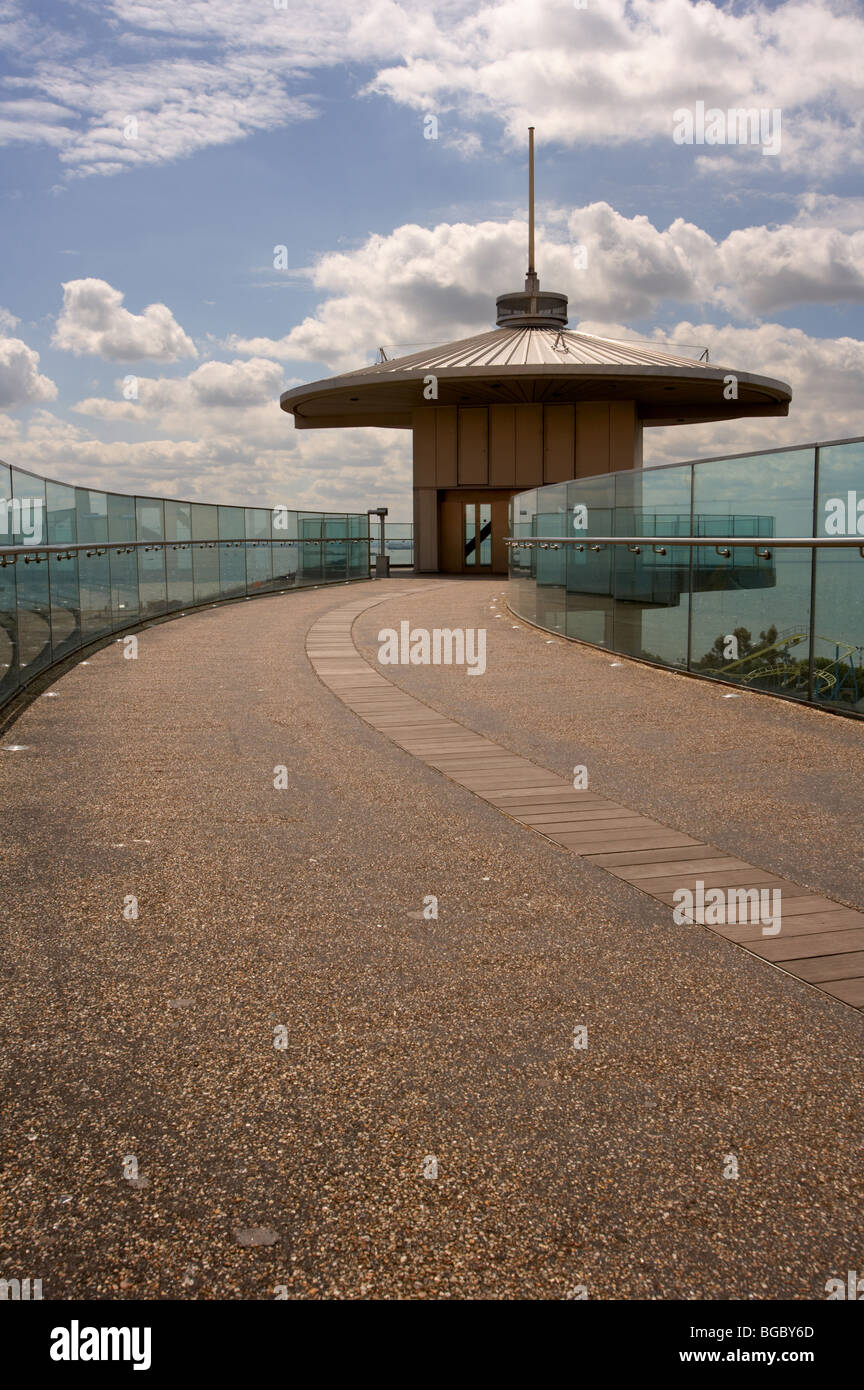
807, 924
850, 991
547, 791
656, 856
580, 825
724, 878
780, 949
580, 815
636, 838
847, 966
790, 891
639, 874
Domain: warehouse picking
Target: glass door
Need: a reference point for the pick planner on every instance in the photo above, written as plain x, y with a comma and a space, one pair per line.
477, 532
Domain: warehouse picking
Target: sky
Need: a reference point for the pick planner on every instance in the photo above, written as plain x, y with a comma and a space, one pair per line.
203, 202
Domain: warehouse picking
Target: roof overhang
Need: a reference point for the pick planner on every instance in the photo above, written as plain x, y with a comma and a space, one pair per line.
664, 395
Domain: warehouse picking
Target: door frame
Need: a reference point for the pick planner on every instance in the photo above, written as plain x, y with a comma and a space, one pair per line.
451, 533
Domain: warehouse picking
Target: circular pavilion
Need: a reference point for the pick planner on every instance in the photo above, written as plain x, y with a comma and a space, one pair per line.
524, 404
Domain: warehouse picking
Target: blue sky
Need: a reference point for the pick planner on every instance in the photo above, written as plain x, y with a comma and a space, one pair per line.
154, 154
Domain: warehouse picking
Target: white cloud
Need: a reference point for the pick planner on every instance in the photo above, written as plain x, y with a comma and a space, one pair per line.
93, 320
415, 285
32, 121
609, 74
425, 285
615, 73
246, 457
825, 374
830, 210
21, 382
212, 387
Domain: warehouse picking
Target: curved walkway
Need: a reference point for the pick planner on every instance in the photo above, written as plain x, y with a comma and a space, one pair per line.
815, 938
284, 1043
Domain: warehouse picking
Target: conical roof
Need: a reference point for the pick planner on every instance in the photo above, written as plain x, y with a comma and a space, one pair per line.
525, 347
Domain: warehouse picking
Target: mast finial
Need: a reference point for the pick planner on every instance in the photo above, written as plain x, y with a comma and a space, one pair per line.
530, 200
531, 307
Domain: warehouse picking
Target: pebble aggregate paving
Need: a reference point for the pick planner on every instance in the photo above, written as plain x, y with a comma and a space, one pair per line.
294, 917
824, 948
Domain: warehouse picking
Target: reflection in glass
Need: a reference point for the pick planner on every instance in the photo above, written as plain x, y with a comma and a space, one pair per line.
178, 573
60, 502
738, 613
838, 619
91, 515
485, 510
470, 533
65, 611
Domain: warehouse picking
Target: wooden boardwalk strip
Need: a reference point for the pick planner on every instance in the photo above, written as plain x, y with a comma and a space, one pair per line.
820, 941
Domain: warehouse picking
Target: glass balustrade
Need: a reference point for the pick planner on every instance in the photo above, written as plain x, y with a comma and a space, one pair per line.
784, 619
144, 558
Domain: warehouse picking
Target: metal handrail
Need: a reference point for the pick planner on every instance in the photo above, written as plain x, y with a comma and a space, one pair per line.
121, 547
659, 543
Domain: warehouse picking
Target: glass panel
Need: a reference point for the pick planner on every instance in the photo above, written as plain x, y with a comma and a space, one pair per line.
205, 569
485, 523
358, 552
838, 619
311, 554
178, 573
232, 523
92, 509
28, 509
652, 588
750, 612
335, 558
550, 566
65, 607
590, 572
8, 617
470, 556
8, 603
232, 568
259, 566
286, 564
124, 586
205, 522
60, 502
523, 590
257, 524
121, 517
178, 520
399, 539
150, 518
153, 597
285, 525
7, 525
34, 616
94, 580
